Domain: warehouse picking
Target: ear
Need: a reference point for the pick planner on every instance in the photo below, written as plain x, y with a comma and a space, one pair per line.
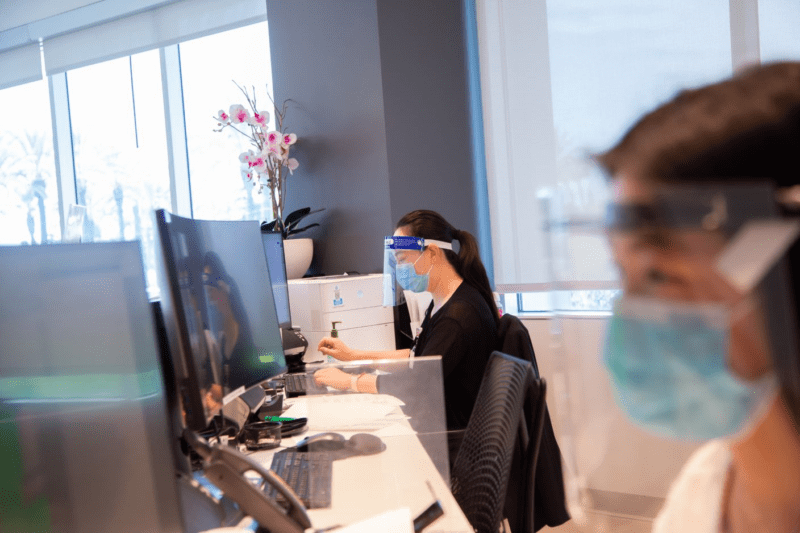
435, 252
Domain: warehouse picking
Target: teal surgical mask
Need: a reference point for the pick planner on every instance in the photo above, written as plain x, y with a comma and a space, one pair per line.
408, 278
668, 365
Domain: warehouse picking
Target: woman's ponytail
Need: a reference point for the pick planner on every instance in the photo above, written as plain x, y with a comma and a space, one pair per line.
470, 267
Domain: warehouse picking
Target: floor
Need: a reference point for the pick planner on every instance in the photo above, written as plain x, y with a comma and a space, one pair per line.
602, 523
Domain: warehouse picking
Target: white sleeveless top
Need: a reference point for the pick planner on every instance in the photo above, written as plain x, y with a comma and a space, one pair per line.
694, 502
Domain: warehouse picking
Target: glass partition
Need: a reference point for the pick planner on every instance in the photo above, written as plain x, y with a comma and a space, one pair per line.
388, 446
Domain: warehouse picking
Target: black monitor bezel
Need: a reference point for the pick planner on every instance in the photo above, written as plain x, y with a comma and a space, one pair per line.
187, 380
288, 324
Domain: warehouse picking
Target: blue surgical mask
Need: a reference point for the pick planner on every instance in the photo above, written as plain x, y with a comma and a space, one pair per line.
668, 366
408, 278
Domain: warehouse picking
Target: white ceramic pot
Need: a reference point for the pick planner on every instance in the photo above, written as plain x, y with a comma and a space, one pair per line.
299, 253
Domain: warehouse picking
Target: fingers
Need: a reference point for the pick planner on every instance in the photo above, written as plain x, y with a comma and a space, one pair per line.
321, 376
332, 377
324, 343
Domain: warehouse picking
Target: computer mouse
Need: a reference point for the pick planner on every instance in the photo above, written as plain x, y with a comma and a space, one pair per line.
322, 442
366, 444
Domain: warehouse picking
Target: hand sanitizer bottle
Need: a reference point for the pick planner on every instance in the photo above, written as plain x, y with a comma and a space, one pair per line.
335, 335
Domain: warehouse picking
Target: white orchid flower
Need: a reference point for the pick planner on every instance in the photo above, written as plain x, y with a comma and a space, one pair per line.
239, 114
273, 137
223, 117
259, 164
292, 164
260, 118
289, 139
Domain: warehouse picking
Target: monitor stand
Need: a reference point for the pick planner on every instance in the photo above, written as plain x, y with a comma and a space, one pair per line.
294, 348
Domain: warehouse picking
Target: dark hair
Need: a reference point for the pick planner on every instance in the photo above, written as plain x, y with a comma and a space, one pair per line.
742, 129
432, 225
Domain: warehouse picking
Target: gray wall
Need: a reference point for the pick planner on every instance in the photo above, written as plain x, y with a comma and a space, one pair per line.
382, 108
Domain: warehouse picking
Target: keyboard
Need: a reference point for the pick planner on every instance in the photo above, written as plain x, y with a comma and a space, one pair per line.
298, 384
298, 469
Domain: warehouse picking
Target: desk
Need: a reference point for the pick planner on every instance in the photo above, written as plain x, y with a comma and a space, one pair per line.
365, 486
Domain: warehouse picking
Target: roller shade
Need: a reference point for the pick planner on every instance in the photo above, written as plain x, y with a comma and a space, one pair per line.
161, 26
20, 65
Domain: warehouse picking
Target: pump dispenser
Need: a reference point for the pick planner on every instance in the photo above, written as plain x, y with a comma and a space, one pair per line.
335, 335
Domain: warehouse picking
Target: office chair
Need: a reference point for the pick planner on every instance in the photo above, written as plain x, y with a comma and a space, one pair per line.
482, 467
548, 500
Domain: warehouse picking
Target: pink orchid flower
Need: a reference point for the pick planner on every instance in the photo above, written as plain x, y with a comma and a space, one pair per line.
273, 137
289, 138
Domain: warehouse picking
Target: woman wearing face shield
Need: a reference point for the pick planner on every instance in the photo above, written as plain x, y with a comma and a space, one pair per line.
698, 348
460, 324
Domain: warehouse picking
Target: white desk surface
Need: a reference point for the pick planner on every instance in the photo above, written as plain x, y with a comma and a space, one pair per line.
365, 486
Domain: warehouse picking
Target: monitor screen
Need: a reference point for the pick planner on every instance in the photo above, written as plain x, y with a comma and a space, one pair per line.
84, 438
273, 248
218, 311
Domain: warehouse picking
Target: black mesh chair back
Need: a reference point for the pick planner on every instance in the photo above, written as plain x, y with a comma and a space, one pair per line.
482, 467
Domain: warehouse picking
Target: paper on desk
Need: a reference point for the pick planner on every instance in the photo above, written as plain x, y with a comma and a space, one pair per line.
397, 521
374, 399
333, 415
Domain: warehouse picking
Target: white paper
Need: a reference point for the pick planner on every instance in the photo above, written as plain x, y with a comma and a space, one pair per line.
347, 412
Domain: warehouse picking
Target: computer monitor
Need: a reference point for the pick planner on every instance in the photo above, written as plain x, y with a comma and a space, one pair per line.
276, 261
218, 311
84, 438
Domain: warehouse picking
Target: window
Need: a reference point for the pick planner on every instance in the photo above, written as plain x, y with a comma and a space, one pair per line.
112, 150
608, 64
120, 150
778, 22
219, 189
28, 189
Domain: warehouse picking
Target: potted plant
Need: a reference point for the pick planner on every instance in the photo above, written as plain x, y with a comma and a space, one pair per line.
269, 165
298, 252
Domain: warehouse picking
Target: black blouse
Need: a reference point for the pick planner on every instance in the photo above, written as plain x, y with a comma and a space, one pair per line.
464, 333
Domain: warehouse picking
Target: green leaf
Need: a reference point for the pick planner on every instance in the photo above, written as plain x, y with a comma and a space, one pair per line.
296, 231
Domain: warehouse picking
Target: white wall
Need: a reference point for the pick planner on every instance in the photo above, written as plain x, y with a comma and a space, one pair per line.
626, 470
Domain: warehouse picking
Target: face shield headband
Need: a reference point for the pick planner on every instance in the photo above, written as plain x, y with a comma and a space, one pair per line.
400, 254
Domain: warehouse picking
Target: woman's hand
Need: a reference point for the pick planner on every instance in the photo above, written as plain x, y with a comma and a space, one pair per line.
333, 377
336, 348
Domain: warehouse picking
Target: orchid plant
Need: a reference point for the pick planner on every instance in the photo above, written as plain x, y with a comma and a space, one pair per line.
269, 164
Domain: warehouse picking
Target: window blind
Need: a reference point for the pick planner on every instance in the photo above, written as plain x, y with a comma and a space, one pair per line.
83, 33
155, 28
20, 65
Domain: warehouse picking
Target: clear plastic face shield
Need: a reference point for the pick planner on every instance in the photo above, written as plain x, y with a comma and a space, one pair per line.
400, 270
702, 309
